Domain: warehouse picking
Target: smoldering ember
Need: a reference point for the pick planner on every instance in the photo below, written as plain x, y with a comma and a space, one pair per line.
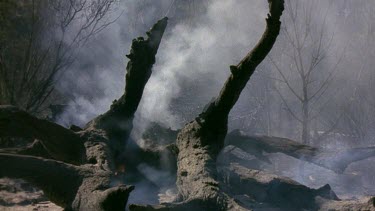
226, 105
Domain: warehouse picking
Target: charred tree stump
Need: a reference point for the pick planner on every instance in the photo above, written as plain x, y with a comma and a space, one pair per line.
118, 121
78, 170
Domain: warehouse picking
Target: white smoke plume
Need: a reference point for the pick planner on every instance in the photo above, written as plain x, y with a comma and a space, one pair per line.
193, 62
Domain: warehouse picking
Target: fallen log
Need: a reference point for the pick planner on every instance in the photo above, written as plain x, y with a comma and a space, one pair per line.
60, 143
69, 186
273, 190
79, 170
259, 190
336, 161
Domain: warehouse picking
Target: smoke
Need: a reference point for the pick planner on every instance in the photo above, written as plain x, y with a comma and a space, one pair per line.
193, 62
97, 76
193, 59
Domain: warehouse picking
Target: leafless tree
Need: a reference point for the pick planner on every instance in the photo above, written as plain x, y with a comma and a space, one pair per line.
360, 109
301, 68
48, 35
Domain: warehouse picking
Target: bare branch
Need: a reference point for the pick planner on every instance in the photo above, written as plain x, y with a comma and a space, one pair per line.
285, 80
287, 106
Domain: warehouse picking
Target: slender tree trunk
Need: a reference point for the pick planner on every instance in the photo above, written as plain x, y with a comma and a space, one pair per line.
305, 124
305, 115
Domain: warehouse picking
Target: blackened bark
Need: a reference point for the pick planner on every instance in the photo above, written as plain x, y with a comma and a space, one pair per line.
276, 191
81, 169
117, 122
72, 187
60, 143
54, 178
201, 140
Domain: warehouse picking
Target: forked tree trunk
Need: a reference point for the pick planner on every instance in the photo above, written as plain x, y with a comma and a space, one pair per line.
201, 140
79, 170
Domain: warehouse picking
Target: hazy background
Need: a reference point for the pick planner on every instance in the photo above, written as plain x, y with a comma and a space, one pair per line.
204, 37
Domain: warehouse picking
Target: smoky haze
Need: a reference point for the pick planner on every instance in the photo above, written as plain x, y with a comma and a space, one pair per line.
204, 37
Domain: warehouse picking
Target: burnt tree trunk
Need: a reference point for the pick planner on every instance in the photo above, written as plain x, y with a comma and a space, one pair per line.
201, 140
55, 140
118, 121
79, 170
76, 170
